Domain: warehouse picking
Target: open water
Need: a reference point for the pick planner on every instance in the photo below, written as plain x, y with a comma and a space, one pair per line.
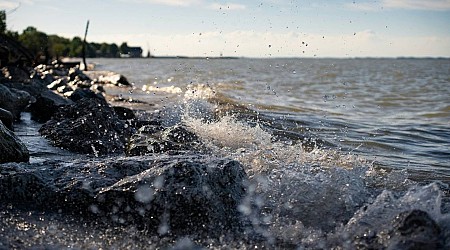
394, 113
336, 150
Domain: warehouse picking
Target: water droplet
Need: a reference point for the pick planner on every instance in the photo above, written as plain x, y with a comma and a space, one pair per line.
144, 194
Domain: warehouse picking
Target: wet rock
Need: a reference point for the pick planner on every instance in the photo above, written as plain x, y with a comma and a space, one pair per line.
176, 195
11, 148
399, 223
124, 113
415, 230
61, 82
7, 118
47, 103
13, 100
108, 77
75, 74
79, 94
89, 126
34, 86
115, 79
154, 139
17, 74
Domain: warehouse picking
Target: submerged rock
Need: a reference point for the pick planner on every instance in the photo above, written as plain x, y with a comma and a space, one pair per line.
11, 148
89, 126
175, 195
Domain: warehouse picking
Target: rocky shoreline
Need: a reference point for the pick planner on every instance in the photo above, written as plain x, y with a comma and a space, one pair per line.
135, 182
136, 172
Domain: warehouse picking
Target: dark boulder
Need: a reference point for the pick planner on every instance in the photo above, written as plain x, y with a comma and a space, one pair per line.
75, 74
7, 118
11, 148
180, 196
176, 194
124, 113
34, 86
46, 104
155, 139
415, 230
13, 100
89, 126
81, 93
16, 74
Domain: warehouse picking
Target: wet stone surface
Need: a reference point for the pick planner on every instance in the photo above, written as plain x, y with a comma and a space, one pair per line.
165, 195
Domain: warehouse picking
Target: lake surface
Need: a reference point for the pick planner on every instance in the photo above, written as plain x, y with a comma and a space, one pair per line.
392, 112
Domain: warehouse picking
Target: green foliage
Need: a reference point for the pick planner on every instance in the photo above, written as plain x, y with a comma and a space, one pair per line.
37, 42
2, 22
54, 47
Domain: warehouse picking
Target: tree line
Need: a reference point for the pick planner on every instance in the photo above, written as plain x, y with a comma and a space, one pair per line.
55, 47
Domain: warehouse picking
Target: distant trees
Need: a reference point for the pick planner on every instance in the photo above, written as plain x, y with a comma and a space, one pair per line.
55, 47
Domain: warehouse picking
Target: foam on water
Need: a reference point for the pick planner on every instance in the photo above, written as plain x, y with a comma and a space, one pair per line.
307, 197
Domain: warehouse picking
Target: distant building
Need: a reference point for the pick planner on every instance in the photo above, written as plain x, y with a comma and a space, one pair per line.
133, 52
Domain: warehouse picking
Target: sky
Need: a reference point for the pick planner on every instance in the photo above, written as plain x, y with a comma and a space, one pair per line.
264, 28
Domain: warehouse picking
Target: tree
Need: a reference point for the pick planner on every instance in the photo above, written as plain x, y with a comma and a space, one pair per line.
36, 42
76, 47
114, 50
124, 48
2, 22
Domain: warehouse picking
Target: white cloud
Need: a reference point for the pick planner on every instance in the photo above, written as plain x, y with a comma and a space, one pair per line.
8, 5
439, 5
433, 5
227, 6
182, 3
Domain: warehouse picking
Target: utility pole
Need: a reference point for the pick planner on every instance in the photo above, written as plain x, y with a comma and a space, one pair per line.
84, 46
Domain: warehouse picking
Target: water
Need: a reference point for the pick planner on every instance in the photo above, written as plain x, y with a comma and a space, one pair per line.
336, 150
393, 112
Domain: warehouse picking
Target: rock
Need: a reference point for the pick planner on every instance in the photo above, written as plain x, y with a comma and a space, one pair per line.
75, 74
34, 86
46, 105
153, 139
108, 77
11, 148
16, 74
89, 126
115, 79
58, 83
124, 113
13, 100
7, 118
176, 194
78, 94
415, 230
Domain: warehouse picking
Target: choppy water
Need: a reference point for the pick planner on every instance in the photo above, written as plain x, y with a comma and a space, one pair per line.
393, 112
336, 150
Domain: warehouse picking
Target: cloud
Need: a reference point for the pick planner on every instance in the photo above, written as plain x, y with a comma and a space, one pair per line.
5, 5
438, 5
181, 3
432, 5
227, 6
